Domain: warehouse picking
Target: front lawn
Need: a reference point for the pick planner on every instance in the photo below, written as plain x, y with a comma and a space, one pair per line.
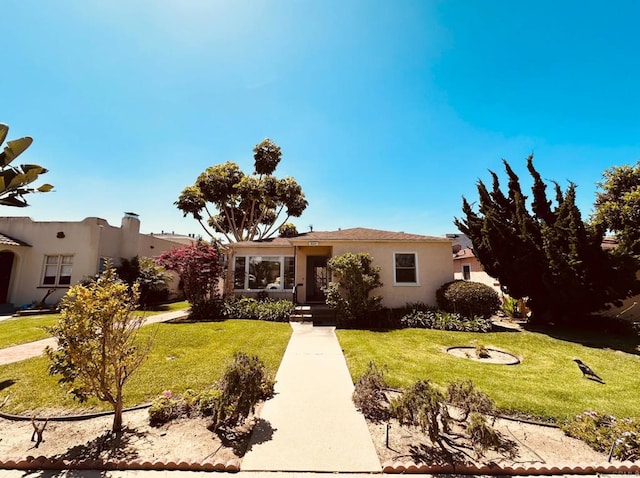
547, 384
20, 330
188, 355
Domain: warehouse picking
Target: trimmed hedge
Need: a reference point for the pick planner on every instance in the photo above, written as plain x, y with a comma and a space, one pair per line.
249, 308
469, 299
434, 319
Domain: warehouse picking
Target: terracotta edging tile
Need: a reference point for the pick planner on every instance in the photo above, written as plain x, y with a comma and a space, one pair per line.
515, 469
45, 463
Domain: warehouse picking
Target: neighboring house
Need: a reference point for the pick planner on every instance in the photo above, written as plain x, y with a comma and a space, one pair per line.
38, 257
466, 266
412, 266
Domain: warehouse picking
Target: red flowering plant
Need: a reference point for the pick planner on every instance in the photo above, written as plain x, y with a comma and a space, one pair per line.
200, 268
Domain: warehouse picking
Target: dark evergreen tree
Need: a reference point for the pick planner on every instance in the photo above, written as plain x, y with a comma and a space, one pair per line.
547, 255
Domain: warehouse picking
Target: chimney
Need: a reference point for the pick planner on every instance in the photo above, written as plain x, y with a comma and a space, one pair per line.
129, 232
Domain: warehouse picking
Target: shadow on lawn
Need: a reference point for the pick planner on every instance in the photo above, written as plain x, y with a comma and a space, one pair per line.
595, 332
6, 384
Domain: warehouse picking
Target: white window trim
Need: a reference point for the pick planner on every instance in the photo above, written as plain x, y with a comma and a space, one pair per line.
462, 266
246, 272
59, 265
406, 284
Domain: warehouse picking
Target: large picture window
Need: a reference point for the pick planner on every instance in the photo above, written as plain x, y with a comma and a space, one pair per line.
57, 270
405, 268
264, 272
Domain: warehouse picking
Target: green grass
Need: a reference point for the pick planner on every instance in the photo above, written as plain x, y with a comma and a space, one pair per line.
182, 356
20, 330
547, 384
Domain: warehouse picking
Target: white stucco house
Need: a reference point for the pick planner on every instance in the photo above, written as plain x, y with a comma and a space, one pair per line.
39, 257
412, 266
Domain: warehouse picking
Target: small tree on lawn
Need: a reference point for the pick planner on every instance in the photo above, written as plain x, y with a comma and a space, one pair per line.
98, 348
199, 268
355, 278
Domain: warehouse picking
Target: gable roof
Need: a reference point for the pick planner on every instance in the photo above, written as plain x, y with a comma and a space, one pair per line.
464, 254
10, 241
356, 234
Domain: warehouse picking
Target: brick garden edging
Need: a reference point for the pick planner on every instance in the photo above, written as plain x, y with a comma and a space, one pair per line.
558, 469
44, 463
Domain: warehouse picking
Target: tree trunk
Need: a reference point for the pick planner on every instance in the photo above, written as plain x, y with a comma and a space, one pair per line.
117, 415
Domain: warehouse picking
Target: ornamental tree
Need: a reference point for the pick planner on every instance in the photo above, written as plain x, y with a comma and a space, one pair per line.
243, 207
98, 346
617, 206
15, 179
200, 269
355, 277
548, 255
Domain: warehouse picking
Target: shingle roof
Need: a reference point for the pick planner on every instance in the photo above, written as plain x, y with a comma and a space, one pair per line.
10, 241
353, 234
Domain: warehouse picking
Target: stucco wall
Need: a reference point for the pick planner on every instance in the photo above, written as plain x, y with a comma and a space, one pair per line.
87, 241
435, 266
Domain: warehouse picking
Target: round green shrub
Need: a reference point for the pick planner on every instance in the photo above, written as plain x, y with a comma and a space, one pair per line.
470, 299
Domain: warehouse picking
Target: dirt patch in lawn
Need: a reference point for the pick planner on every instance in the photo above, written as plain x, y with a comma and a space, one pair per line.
186, 440
189, 440
532, 445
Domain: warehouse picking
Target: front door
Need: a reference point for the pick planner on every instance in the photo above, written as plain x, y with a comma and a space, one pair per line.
6, 264
317, 278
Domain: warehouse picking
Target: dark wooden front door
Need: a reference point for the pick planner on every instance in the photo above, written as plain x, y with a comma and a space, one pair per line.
317, 278
6, 264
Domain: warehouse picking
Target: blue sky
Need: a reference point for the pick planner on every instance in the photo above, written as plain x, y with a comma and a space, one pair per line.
387, 112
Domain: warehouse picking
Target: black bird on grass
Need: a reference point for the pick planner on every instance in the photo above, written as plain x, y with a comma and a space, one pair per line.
587, 372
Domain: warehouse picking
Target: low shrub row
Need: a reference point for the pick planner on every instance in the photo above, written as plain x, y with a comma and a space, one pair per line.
435, 319
250, 308
426, 406
244, 383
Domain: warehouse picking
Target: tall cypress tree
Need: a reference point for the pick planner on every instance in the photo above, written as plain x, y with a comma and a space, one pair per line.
547, 255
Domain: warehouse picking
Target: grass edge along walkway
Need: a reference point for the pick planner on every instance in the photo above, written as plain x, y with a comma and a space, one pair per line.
546, 385
183, 356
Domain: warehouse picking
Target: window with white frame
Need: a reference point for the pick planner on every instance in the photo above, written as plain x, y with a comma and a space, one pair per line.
264, 272
57, 270
466, 271
405, 268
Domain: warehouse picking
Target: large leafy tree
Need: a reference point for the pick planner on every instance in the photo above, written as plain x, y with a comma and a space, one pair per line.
15, 180
617, 206
547, 255
98, 346
244, 207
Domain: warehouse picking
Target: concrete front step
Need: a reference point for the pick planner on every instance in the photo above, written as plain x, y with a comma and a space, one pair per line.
318, 314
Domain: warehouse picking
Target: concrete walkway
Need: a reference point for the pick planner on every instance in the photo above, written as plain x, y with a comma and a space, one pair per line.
35, 349
311, 424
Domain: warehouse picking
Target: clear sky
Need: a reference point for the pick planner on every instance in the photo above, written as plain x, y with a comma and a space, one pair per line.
387, 112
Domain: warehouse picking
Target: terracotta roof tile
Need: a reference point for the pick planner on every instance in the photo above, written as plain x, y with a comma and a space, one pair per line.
10, 241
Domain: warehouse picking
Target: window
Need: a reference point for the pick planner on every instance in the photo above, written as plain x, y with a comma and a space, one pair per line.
466, 271
406, 268
264, 273
57, 270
